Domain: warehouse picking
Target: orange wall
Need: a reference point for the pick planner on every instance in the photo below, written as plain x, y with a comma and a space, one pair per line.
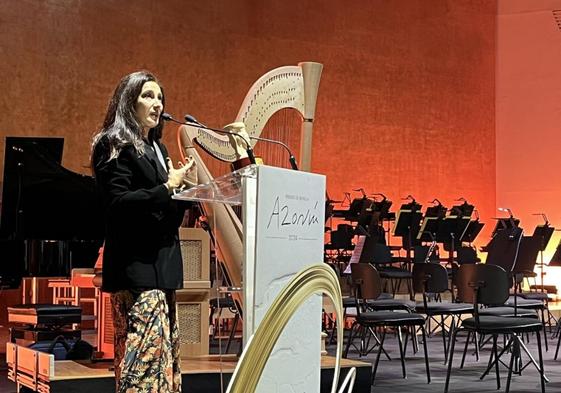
406, 102
529, 114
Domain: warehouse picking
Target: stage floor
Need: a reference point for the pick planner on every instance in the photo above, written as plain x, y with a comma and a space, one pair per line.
199, 375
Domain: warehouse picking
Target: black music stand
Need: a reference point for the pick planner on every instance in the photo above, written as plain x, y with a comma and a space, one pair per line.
503, 249
436, 211
429, 228
472, 231
365, 217
507, 223
543, 233
504, 223
450, 231
407, 224
357, 206
383, 207
464, 210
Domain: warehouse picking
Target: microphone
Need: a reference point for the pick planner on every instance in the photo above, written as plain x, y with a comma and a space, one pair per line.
191, 120
506, 209
291, 157
168, 117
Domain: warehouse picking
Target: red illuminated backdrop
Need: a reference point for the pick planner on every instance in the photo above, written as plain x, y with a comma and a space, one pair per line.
412, 95
406, 102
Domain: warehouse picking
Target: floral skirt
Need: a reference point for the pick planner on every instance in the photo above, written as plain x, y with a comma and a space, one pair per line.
146, 342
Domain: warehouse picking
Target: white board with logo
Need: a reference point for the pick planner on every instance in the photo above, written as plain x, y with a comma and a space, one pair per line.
290, 220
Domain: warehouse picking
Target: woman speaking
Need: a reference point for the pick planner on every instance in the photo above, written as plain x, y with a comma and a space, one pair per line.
142, 265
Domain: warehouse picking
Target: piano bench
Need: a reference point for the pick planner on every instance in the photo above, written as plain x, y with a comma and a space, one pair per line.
44, 314
42, 321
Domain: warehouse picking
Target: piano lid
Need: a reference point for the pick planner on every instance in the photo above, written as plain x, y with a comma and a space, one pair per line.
54, 202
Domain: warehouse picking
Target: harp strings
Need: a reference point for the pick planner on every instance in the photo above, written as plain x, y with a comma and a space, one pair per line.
283, 126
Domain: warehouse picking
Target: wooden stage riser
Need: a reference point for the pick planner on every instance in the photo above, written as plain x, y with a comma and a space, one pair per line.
203, 383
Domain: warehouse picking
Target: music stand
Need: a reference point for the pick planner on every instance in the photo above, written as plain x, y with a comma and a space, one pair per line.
383, 208
429, 228
357, 206
472, 231
407, 223
504, 223
543, 235
450, 231
436, 211
464, 210
365, 217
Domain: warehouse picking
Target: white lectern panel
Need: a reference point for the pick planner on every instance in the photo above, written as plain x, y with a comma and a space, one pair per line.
288, 237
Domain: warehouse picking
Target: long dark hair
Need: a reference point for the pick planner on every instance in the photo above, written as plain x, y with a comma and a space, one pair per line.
120, 127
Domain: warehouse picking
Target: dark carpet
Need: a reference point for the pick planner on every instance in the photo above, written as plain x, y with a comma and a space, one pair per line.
389, 375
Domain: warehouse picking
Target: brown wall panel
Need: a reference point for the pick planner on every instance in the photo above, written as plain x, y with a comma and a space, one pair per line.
406, 102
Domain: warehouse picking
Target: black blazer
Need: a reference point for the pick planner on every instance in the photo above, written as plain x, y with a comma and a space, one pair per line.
142, 248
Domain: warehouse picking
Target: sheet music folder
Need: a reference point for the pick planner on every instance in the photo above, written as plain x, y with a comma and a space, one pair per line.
357, 253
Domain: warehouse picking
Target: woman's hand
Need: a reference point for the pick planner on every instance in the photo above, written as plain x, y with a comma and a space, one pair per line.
190, 179
184, 176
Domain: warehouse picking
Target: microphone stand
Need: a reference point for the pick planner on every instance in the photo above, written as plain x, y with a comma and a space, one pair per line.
191, 119
291, 157
248, 149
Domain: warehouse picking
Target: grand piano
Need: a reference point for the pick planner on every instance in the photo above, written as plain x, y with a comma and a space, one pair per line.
50, 219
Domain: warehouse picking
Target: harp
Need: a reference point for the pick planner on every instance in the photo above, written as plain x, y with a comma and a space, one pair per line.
289, 88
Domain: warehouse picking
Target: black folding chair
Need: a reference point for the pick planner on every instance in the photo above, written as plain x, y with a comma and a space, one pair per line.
489, 285
380, 256
431, 279
367, 288
516, 254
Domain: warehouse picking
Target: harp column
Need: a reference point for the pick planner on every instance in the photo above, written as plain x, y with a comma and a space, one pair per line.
311, 73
